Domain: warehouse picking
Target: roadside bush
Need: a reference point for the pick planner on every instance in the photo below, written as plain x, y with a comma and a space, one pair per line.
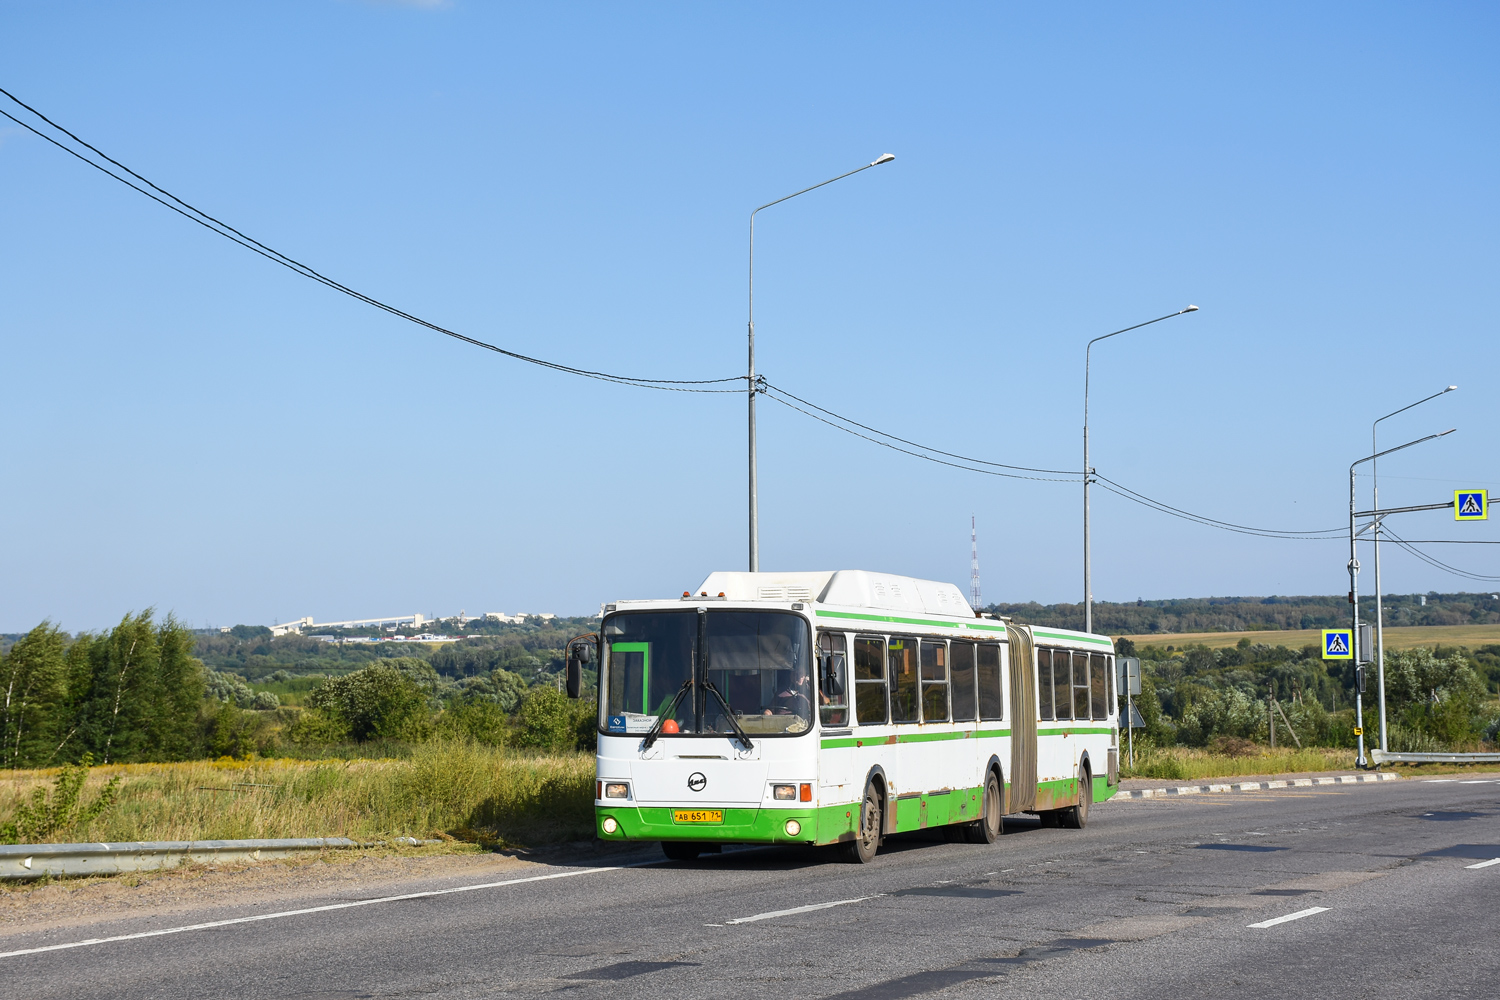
482, 721
380, 701
51, 816
1221, 713
549, 720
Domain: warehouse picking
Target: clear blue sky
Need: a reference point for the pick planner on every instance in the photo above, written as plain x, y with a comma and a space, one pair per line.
191, 427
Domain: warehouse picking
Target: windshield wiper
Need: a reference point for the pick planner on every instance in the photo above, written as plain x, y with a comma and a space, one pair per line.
729, 714
671, 711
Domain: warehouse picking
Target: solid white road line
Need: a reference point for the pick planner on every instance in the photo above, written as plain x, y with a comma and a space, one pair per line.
1485, 864
799, 909
1290, 916
311, 909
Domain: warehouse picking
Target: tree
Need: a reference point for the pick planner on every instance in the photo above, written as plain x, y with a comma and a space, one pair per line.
34, 710
136, 692
379, 701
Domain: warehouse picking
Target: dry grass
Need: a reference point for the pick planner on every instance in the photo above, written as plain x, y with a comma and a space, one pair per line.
1185, 763
449, 788
1472, 636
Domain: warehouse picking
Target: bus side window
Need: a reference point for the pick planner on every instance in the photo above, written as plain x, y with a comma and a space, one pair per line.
869, 680
934, 680
1062, 685
833, 699
1110, 698
961, 656
1098, 670
991, 694
901, 656
1044, 683
1081, 686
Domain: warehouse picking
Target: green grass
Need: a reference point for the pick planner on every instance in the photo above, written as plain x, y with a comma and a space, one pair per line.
445, 788
1186, 763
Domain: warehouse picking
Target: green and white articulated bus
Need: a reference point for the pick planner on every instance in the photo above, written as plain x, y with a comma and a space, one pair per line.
839, 708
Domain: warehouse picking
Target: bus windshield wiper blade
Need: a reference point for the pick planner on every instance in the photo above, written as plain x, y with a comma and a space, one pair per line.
663, 717
729, 714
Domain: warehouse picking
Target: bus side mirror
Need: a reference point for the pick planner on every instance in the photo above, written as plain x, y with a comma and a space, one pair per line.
580, 651
833, 675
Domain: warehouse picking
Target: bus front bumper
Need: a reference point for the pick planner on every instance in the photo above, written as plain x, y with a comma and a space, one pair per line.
807, 825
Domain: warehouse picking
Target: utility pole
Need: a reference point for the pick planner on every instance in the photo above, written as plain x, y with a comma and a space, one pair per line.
751, 379
1088, 470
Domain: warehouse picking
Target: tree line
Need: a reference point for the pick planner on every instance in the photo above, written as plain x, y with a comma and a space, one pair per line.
137, 692
1252, 614
1437, 699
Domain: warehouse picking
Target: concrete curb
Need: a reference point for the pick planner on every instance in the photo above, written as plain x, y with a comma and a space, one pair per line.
1252, 786
27, 861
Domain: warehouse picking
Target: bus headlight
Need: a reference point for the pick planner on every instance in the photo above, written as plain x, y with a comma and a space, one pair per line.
784, 793
793, 828
609, 824
616, 790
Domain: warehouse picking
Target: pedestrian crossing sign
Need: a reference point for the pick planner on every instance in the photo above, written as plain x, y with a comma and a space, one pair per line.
1338, 644
1471, 505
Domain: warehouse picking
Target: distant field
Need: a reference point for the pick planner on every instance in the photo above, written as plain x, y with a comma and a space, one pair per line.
1472, 636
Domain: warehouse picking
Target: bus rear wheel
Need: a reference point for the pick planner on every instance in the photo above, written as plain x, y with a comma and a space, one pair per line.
866, 842
1077, 817
677, 850
991, 822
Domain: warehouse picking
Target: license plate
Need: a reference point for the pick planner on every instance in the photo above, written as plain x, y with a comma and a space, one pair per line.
697, 815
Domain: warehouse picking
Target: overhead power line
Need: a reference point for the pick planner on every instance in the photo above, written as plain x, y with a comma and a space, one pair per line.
969, 463
166, 198
846, 425
1436, 563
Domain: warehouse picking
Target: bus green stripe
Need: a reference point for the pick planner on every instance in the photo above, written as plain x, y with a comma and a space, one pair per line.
909, 621
1073, 638
876, 741
1074, 732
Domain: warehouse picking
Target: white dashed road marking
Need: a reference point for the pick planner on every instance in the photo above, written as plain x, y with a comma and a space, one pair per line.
799, 909
1290, 916
1485, 864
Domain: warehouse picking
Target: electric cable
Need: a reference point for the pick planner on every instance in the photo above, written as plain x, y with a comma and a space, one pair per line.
227, 231
1436, 563
1168, 508
916, 454
766, 386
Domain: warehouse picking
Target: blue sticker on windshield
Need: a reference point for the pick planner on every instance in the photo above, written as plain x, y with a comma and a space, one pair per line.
616, 724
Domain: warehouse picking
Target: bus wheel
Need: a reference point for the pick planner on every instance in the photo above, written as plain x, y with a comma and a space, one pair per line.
1077, 817
677, 850
991, 822
867, 838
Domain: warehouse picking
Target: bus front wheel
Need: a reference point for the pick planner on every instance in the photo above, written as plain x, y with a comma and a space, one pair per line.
991, 822
866, 842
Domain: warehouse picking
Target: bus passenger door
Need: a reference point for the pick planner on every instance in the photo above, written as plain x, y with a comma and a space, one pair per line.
1023, 708
836, 745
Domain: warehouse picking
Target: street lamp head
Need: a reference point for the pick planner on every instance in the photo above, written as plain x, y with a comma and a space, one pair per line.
1191, 309
884, 158
1450, 388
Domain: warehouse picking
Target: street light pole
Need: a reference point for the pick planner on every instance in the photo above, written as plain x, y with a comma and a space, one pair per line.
1359, 704
1375, 538
751, 383
1088, 471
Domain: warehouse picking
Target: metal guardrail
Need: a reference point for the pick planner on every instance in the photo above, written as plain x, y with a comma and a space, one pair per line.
1383, 757
27, 861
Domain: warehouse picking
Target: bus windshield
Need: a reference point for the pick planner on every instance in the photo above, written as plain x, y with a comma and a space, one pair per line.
757, 660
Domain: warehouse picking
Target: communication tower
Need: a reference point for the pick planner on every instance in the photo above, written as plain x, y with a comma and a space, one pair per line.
974, 571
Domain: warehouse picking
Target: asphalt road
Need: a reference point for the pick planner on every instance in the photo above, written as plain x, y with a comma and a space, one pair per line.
1154, 898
